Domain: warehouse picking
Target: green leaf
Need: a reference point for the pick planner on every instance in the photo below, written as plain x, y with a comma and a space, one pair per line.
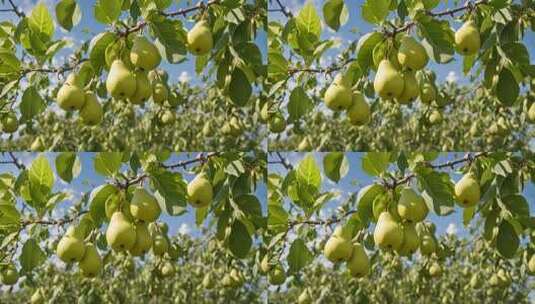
170, 191
9, 215
239, 240
299, 256
240, 89
507, 241
299, 104
335, 13
375, 11
32, 104
31, 255
365, 199
107, 163
308, 22
365, 47
68, 13
308, 172
375, 163
10, 64
438, 190
97, 48
107, 11
507, 89
41, 179
68, 166
335, 165
97, 201
41, 23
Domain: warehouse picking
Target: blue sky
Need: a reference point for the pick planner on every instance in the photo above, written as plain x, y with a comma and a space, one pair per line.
89, 179
357, 179
88, 28
357, 27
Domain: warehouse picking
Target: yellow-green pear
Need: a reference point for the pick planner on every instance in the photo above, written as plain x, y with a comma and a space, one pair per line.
428, 245
160, 93
265, 267
168, 269
531, 113
9, 275
338, 247
143, 240
121, 82
200, 192
91, 264
435, 117
208, 282
411, 54
359, 111
264, 113
160, 245
467, 192
304, 145
435, 270
37, 145
70, 248
143, 89
168, 117
10, 123
91, 113
388, 233
237, 277
305, 297
428, 93
74, 80
411, 206
277, 123
144, 54
144, 206
389, 82
359, 263
411, 241
504, 278
494, 280
199, 38
120, 234
531, 264
475, 281
276, 275
70, 97
467, 39
338, 95
37, 297
411, 89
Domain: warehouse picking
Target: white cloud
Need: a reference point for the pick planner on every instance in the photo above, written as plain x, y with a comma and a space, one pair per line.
452, 229
452, 77
184, 229
184, 77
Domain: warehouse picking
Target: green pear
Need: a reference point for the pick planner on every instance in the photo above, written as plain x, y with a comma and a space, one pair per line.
37, 297
199, 38
494, 280
435, 269
121, 82
411, 206
411, 54
531, 264
144, 54
428, 244
467, 39
70, 248
531, 113
70, 97
359, 263
10, 123
144, 206
143, 89
200, 192
304, 145
160, 245
208, 282
435, 117
411, 89
277, 123
91, 113
359, 111
475, 281
504, 278
388, 81
467, 192
338, 95
276, 275
305, 297
265, 267
264, 113
167, 269
37, 145
74, 80
160, 93
9, 275
236, 277
91, 264
411, 241
143, 240
388, 233
168, 118
428, 93
120, 234
338, 247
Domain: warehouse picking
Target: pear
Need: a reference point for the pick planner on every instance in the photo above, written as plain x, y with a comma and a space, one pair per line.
388, 233
200, 192
504, 278
144, 206
467, 191
143, 89
143, 240
264, 113
305, 297
467, 39
91, 263
531, 114
208, 281
411, 90
37, 297
74, 80
71, 248
388, 81
168, 118
10, 123
91, 113
435, 270
236, 277
70, 97
475, 282
428, 245
359, 111
37, 145
120, 234
144, 54
265, 267
359, 263
304, 145
200, 40
531, 265
277, 123
411, 241
9, 275
494, 280
121, 82
435, 117
338, 95
411, 54
160, 245
411, 206
167, 270
428, 93
277, 276
160, 93
338, 247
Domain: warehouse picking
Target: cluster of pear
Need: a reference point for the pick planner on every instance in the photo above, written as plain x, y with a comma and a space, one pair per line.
275, 272
9, 275
73, 97
9, 122
274, 119
72, 248
339, 248
339, 96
